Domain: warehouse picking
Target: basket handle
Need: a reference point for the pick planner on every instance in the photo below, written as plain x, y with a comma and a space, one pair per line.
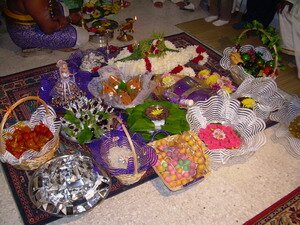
274, 47
135, 161
11, 108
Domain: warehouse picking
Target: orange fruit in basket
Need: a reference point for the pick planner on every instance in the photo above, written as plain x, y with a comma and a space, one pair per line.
23, 139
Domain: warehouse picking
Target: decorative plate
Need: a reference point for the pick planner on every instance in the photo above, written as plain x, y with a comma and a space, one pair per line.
289, 124
264, 92
221, 109
68, 185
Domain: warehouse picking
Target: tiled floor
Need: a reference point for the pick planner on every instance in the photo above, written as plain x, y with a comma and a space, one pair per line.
231, 195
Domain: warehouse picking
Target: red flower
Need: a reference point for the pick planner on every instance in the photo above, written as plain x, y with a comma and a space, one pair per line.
156, 51
197, 59
95, 69
152, 48
130, 48
176, 70
268, 70
200, 49
148, 64
92, 29
112, 48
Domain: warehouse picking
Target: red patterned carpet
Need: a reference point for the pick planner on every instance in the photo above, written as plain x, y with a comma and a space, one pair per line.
286, 211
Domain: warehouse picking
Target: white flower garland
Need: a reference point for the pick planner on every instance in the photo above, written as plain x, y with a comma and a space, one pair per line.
160, 65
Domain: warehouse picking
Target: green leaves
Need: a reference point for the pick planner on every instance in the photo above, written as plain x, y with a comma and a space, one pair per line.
145, 48
87, 128
137, 120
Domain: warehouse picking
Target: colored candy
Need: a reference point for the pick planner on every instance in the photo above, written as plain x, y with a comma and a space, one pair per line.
181, 159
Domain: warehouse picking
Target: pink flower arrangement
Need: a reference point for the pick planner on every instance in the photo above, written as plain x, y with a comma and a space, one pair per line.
218, 136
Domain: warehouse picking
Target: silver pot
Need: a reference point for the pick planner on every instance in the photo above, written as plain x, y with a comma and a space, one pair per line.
102, 39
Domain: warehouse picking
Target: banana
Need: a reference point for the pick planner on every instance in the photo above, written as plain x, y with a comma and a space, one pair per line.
235, 58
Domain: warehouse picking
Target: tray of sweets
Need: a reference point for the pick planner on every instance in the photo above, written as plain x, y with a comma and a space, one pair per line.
181, 160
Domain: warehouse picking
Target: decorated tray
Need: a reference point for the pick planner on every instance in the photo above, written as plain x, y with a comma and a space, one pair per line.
181, 160
227, 129
115, 88
68, 185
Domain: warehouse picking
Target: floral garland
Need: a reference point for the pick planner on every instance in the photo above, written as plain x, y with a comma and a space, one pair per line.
155, 62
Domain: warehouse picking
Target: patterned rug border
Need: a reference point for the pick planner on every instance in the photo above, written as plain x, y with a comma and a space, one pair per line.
283, 202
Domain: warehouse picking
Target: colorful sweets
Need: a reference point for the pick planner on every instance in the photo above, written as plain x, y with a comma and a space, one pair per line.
181, 159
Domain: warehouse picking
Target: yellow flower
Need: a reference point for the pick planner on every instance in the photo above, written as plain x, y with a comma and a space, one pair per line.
213, 79
157, 112
88, 5
168, 81
227, 89
96, 14
204, 73
248, 103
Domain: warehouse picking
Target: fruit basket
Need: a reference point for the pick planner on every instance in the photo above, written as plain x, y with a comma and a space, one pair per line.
125, 156
260, 95
248, 60
181, 160
119, 90
227, 129
287, 132
28, 144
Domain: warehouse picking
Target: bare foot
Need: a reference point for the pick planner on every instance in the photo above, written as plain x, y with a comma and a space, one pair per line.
158, 4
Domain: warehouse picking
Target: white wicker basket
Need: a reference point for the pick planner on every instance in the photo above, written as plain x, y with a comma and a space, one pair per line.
282, 135
238, 72
264, 91
222, 109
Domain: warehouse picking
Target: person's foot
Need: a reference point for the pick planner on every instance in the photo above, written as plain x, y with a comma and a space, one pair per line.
219, 23
158, 4
210, 18
189, 7
239, 26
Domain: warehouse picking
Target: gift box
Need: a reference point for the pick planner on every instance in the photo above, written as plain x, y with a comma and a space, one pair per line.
187, 89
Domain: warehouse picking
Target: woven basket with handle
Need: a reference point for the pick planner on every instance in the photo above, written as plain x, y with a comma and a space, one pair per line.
237, 71
142, 157
32, 160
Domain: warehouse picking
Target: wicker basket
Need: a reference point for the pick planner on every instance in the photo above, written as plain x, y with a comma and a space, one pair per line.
142, 156
32, 160
238, 72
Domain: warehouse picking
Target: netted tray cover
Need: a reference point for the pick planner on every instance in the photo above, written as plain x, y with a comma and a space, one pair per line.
95, 87
227, 111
